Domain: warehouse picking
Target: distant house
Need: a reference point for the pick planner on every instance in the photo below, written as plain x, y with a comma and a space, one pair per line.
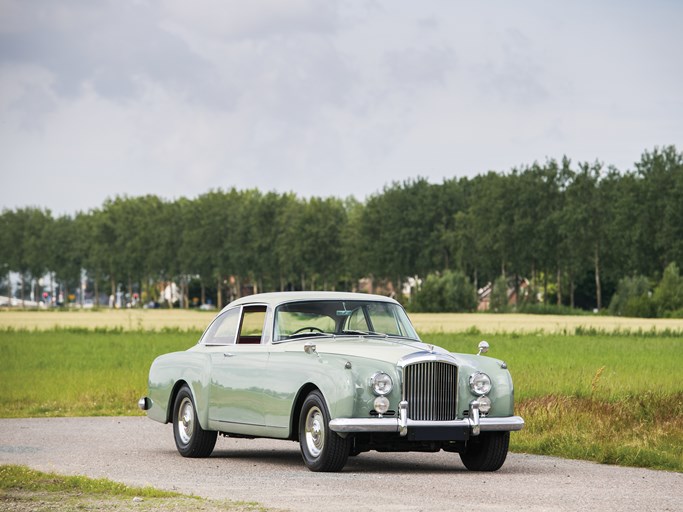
484, 293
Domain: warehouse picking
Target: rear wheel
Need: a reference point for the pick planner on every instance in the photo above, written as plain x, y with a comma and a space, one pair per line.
190, 438
486, 452
321, 448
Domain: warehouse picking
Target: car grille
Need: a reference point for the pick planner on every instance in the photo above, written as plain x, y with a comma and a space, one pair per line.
430, 388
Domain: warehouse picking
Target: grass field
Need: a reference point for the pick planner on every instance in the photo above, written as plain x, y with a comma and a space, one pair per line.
159, 319
607, 397
604, 395
24, 489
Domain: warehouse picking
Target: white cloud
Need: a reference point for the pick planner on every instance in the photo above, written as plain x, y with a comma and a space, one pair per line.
321, 98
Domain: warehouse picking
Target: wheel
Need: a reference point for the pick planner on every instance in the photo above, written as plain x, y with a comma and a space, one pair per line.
321, 448
486, 452
190, 438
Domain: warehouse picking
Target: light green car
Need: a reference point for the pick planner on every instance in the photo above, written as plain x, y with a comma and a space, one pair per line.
341, 373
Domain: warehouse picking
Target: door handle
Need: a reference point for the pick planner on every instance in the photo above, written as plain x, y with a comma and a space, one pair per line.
228, 354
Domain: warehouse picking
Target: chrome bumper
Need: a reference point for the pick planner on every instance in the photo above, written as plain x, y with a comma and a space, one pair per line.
474, 423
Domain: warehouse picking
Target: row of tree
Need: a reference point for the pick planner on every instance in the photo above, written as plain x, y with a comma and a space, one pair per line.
573, 230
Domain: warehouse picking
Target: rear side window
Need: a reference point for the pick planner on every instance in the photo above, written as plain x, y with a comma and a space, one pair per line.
223, 330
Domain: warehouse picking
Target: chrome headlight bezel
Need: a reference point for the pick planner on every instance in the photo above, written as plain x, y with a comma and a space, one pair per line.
381, 383
480, 384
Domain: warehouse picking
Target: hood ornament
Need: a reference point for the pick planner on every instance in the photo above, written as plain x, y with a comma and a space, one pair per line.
431, 348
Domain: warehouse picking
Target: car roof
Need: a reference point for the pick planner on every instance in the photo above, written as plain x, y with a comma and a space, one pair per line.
277, 298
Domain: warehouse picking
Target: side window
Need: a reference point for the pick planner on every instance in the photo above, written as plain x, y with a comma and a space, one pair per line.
224, 329
251, 327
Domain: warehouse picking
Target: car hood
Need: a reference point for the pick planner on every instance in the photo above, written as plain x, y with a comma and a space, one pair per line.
390, 350
368, 347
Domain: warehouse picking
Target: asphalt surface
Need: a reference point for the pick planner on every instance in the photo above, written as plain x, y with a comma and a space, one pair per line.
138, 451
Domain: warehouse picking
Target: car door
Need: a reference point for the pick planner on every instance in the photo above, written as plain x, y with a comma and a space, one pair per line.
238, 365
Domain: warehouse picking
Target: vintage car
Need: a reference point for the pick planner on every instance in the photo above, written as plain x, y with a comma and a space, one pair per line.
341, 373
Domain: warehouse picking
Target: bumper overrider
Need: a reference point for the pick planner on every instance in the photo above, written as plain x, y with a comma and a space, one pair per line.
470, 426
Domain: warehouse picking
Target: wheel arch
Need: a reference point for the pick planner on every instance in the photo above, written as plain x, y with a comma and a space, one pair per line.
174, 393
304, 391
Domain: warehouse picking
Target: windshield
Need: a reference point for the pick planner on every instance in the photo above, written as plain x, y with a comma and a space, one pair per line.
339, 317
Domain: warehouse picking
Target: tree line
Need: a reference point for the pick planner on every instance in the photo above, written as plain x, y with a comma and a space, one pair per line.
572, 231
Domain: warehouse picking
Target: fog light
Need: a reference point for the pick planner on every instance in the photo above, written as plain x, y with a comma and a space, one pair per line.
484, 404
381, 404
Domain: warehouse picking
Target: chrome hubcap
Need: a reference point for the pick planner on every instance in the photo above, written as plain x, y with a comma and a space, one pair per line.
315, 431
186, 420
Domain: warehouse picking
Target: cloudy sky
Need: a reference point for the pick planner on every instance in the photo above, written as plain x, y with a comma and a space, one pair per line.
322, 97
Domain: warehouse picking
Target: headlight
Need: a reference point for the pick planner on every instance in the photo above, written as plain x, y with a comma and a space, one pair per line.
381, 384
480, 383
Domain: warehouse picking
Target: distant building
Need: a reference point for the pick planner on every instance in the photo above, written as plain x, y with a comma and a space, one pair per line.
484, 293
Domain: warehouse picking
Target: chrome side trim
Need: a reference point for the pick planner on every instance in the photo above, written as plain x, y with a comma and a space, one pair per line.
350, 425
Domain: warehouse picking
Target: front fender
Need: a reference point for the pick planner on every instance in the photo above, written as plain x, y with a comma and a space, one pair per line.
347, 389
502, 390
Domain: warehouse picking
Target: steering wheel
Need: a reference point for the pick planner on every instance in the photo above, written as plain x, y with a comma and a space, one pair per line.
312, 329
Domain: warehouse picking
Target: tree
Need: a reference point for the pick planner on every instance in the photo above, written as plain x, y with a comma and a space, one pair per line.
9, 255
66, 257
449, 292
582, 226
659, 231
632, 298
668, 295
499, 295
27, 246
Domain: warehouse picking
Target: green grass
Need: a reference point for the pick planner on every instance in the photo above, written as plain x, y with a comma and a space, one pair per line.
612, 397
23, 478
598, 365
77, 372
644, 430
22, 488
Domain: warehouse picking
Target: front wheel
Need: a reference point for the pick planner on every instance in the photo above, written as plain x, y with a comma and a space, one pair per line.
486, 452
190, 438
321, 448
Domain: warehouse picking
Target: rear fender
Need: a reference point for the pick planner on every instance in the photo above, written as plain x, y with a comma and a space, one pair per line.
169, 373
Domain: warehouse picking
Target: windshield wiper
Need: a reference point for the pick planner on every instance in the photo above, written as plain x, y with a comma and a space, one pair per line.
365, 333
312, 333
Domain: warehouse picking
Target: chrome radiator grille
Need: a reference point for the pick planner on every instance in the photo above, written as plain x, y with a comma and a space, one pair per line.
430, 389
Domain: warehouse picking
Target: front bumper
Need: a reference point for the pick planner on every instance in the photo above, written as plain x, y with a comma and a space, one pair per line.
473, 424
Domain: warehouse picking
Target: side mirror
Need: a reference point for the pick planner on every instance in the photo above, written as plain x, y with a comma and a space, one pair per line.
483, 347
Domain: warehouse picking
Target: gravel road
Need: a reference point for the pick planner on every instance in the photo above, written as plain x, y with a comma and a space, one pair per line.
138, 451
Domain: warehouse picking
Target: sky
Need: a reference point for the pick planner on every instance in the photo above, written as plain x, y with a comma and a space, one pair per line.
323, 97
